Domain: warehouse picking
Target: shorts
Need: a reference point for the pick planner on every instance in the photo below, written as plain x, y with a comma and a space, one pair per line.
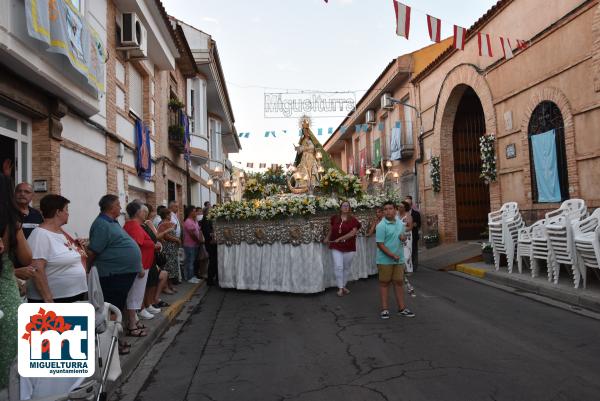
153, 273
389, 273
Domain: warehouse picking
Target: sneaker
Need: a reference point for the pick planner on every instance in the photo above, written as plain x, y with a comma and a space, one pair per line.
193, 280
144, 314
385, 314
153, 310
406, 313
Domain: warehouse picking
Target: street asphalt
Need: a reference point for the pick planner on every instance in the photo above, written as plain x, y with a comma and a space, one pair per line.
468, 342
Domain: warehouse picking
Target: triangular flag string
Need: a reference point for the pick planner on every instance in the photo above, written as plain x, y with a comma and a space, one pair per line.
434, 25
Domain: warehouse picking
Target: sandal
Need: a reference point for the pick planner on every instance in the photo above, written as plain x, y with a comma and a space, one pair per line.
346, 291
340, 293
140, 325
168, 292
136, 333
124, 348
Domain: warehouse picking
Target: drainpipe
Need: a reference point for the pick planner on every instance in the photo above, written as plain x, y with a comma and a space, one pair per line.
419, 160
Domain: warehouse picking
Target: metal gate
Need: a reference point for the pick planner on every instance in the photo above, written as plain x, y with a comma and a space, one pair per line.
472, 194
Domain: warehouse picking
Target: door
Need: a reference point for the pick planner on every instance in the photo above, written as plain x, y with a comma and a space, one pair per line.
472, 194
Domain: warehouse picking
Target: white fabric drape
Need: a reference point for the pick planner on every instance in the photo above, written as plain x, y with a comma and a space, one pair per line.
307, 268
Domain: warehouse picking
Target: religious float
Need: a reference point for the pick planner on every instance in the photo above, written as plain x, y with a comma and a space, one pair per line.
274, 241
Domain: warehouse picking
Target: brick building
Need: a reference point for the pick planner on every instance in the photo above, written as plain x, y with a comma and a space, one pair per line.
77, 137
388, 146
551, 85
548, 86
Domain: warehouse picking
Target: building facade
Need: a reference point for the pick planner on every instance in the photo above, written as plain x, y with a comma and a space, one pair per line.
547, 87
379, 140
84, 135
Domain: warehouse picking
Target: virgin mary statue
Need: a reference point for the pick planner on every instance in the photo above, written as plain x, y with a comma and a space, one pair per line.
306, 176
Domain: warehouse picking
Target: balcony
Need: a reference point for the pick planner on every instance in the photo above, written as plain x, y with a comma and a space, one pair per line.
177, 137
199, 149
407, 151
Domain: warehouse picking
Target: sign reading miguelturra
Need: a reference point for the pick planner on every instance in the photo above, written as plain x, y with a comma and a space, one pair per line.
315, 104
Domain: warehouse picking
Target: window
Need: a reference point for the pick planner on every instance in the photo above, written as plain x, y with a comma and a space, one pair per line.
15, 135
171, 191
546, 134
136, 92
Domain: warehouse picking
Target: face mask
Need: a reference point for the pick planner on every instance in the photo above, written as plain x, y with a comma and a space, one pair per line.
199, 217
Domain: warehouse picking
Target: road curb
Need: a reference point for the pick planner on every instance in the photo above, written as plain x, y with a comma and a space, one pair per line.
470, 270
140, 350
569, 297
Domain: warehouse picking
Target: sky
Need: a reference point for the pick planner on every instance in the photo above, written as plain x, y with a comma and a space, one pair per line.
290, 45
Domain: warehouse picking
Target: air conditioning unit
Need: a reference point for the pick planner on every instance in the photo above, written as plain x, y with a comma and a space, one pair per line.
134, 38
386, 101
370, 117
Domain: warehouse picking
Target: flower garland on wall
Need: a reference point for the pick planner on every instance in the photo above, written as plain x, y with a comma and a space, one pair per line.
487, 147
436, 182
286, 206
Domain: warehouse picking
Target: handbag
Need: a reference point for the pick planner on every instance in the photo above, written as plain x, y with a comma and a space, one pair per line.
160, 259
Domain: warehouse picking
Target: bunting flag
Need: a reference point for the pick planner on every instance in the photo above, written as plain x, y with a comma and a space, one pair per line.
268, 133
460, 36
262, 165
435, 28
402, 19
320, 131
244, 134
485, 45
381, 127
329, 131
506, 48
358, 127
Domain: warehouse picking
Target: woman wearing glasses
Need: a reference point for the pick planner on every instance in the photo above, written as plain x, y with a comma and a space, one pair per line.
342, 242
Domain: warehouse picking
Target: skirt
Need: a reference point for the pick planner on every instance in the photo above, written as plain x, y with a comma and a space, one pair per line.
171, 251
135, 297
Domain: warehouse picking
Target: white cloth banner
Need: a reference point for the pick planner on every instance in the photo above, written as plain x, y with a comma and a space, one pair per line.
306, 269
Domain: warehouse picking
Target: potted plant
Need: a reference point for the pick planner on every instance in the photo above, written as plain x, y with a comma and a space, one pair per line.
487, 251
432, 239
175, 104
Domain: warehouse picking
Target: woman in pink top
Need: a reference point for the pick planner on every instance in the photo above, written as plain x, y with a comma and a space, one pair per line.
192, 238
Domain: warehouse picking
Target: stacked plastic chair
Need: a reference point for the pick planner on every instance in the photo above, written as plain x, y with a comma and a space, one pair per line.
559, 229
541, 250
587, 240
525, 247
504, 226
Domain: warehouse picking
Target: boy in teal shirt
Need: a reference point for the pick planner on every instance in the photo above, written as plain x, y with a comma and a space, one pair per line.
389, 235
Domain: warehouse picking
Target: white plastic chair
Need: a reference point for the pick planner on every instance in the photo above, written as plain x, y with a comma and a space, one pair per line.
587, 240
541, 250
524, 245
504, 226
559, 228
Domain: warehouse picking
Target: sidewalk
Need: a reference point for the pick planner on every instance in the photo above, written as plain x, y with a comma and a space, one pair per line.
464, 258
156, 328
588, 298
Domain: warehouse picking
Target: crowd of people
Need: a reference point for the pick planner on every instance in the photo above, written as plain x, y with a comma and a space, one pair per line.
396, 230
134, 263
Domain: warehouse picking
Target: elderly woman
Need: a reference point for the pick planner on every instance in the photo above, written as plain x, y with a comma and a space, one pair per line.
137, 213
60, 273
342, 242
170, 247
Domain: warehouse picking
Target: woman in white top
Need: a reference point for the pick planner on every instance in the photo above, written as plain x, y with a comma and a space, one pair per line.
405, 216
57, 258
